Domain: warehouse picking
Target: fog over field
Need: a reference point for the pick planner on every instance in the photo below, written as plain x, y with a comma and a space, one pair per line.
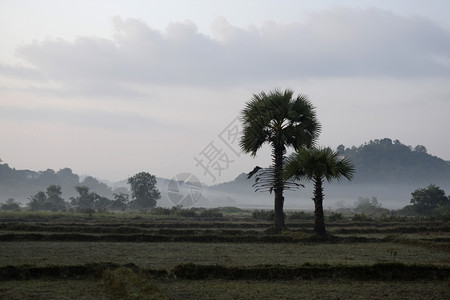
337, 195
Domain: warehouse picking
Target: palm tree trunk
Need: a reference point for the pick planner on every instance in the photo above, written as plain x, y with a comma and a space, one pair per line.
319, 221
278, 153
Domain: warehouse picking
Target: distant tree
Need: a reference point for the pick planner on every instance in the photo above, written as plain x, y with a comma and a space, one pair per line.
120, 201
340, 149
85, 201
145, 194
420, 149
47, 177
10, 205
37, 201
102, 203
51, 200
54, 199
280, 120
317, 165
430, 200
369, 206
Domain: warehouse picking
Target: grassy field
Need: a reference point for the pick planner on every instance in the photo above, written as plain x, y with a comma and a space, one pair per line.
37, 242
168, 255
242, 289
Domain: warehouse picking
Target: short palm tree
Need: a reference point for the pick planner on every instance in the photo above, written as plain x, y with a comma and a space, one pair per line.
316, 165
279, 119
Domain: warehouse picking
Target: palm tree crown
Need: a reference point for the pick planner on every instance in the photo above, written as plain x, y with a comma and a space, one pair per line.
318, 163
278, 119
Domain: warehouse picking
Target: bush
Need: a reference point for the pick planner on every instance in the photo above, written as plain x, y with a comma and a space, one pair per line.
300, 215
210, 213
88, 211
335, 217
361, 218
10, 205
124, 283
430, 201
183, 212
261, 214
161, 211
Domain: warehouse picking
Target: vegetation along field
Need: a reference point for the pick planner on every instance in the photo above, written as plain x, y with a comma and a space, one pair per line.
230, 256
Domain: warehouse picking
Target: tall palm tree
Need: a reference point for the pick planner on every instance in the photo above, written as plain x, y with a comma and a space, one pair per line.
281, 121
316, 165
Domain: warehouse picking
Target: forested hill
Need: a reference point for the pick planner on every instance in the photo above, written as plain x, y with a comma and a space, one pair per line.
391, 162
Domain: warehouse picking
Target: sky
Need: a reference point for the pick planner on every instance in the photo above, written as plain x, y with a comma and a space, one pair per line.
113, 88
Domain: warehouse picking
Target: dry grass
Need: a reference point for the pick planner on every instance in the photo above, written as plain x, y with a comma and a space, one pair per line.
240, 289
168, 255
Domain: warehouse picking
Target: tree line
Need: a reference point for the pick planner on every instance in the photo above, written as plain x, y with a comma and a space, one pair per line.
144, 196
20, 184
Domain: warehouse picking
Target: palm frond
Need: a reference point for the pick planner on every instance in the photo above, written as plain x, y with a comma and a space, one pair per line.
318, 163
265, 181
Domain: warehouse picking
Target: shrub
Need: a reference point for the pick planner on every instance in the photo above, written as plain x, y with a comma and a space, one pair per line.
261, 214
88, 211
361, 218
161, 211
124, 283
10, 205
335, 217
183, 212
300, 215
210, 213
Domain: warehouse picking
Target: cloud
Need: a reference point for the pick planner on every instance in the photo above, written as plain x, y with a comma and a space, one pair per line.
332, 43
19, 71
107, 120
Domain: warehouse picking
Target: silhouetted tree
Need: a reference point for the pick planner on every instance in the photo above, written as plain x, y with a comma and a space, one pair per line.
54, 197
430, 200
37, 201
120, 201
317, 165
85, 201
144, 191
51, 200
10, 204
280, 120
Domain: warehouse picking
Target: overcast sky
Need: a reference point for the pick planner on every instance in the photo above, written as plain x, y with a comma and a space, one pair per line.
112, 88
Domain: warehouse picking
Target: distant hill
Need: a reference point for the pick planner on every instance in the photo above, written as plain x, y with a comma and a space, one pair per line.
391, 162
386, 169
